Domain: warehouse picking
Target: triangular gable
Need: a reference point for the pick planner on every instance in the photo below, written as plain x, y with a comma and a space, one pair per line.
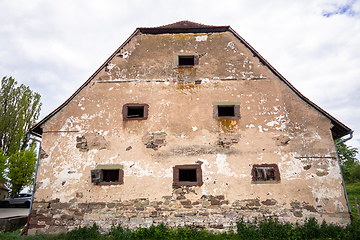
338, 130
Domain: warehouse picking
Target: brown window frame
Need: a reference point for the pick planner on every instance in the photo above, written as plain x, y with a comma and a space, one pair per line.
236, 107
125, 111
276, 176
101, 181
176, 175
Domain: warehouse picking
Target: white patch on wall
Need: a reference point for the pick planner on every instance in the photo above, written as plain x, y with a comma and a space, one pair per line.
80, 102
194, 128
339, 206
291, 170
232, 46
316, 135
272, 123
201, 38
111, 88
260, 128
125, 55
45, 183
250, 126
320, 191
223, 165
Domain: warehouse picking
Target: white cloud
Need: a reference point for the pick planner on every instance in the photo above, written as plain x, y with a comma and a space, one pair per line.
54, 46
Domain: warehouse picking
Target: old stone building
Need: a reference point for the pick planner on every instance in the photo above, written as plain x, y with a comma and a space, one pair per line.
186, 124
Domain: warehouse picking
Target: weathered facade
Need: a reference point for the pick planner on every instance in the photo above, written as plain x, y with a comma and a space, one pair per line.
186, 124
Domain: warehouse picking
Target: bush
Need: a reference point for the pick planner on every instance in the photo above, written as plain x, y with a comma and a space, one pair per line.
84, 233
268, 228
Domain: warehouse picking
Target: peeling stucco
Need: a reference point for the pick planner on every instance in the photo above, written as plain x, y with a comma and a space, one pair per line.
275, 127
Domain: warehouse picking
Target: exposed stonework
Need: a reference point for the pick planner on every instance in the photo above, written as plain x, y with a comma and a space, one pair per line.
154, 140
212, 212
240, 139
91, 141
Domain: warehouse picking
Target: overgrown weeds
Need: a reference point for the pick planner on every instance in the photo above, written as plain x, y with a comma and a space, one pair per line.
268, 228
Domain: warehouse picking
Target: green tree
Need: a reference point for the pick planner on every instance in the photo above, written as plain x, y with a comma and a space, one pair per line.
350, 165
3, 158
19, 109
21, 170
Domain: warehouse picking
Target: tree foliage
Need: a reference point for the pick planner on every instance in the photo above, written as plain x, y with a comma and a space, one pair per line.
3, 158
21, 170
350, 165
19, 109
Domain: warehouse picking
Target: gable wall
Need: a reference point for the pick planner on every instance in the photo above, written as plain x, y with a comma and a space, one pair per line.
276, 127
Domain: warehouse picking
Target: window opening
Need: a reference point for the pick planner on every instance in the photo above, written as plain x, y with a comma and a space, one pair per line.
186, 60
135, 112
265, 173
226, 111
110, 175
187, 175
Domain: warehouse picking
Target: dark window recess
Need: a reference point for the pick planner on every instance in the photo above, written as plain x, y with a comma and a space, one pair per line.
186, 60
187, 175
226, 111
265, 172
110, 175
107, 176
135, 111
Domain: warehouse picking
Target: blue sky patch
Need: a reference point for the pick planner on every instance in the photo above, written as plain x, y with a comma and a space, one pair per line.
345, 9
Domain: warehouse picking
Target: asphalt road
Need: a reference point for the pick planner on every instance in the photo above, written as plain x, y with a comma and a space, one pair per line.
13, 212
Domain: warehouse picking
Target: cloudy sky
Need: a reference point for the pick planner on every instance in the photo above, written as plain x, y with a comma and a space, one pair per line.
55, 46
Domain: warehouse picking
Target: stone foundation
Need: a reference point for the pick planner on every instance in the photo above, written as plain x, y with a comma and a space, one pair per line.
212, 212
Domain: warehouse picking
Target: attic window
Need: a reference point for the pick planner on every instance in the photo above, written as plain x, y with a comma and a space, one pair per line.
110, 175
135, 111
186, 60
265, 173
187, 175
228, 110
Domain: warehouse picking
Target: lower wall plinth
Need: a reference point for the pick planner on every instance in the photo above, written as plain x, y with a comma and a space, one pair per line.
211, 212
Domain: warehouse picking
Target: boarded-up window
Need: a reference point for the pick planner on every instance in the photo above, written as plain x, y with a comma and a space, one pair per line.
265, 173
187, 175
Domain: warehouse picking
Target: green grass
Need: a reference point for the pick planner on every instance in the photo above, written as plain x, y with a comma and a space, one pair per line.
353, 190
268, 228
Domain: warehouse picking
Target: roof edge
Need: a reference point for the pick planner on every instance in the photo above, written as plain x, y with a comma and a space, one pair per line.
338, 130
37, 130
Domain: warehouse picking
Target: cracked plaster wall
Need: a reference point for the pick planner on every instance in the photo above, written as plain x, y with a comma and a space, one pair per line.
276, 127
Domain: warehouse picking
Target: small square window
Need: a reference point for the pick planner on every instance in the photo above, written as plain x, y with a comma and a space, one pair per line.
107, 176
187, 175
186, 60
110, 175
228, 110
135, 111
265, 173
